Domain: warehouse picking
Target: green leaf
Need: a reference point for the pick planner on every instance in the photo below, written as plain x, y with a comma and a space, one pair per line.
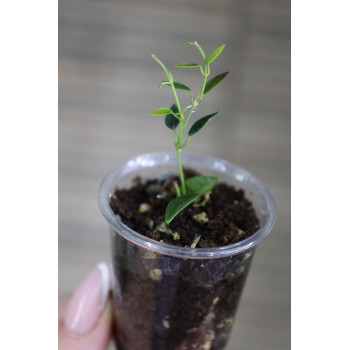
212, 83
163, 83
177, 204
178, 86
187, 65
161, 111
200, 184
200, 123
170, 121
215, 54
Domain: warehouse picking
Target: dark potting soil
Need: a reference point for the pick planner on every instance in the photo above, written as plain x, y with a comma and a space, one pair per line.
164, 302
223, 217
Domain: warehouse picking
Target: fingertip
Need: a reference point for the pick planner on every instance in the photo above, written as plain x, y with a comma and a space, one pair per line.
97, 339
88, 301
85, 317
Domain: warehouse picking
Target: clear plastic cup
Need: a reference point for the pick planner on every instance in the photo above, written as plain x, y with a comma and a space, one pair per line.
176, 298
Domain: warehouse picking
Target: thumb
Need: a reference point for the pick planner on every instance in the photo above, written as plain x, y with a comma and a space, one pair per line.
85, 317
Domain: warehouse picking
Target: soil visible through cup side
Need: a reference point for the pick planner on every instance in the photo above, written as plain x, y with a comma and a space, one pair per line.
163, 302
225, 216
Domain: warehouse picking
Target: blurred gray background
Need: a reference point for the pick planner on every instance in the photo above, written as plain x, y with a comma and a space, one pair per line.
107, 87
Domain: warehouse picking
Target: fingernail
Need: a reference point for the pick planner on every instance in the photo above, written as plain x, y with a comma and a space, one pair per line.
88, 301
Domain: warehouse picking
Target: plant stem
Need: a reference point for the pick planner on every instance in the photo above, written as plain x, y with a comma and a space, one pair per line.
180, 117
200, 49
181, 173
199, 98
178, 139
171, 81
177, 189
186, 142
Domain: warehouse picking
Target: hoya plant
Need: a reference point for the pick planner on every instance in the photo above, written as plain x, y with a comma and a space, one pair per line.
177, 119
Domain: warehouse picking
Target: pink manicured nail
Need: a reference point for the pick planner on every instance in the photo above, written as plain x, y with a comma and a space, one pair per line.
88, 301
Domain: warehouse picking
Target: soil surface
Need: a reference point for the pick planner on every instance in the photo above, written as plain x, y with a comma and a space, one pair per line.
220, 218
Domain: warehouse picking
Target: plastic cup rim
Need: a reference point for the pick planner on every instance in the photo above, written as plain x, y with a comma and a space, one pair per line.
184, 252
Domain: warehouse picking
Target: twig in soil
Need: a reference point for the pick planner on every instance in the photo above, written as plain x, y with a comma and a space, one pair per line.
195, 241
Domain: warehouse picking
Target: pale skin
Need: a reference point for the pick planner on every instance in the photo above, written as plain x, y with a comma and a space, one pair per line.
97, 339
85, 316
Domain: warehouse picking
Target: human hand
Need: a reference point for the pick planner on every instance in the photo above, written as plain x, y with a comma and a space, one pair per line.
85, 317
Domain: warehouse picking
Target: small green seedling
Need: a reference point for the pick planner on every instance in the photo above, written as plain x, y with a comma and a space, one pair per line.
177, 118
